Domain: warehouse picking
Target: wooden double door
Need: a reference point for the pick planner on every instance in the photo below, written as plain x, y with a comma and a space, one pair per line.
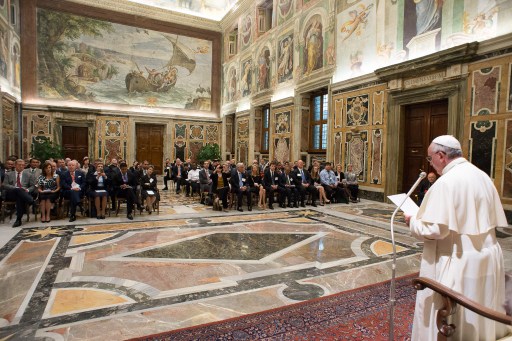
150, 144
423, 122
75, 142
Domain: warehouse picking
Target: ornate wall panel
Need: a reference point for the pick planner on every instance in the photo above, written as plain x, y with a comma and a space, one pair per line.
304, 131
8, 129
281, 135
507, 173
338, 142
242, 139
257, 130
112, 138
483, 145
37, 127
229, 134
485, 91
189, 137
356, 153
376, 165
378, 108
338, 113
358, 129
357, 110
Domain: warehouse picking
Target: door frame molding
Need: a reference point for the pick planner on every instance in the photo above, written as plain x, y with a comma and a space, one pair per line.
91, 130
454, 91
166, 124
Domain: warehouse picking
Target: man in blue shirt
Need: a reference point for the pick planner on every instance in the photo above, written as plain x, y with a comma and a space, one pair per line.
330, 183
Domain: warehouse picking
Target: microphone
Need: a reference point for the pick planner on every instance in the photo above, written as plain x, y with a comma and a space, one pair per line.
392, 289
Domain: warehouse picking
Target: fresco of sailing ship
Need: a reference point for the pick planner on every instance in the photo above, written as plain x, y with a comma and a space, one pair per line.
162, 80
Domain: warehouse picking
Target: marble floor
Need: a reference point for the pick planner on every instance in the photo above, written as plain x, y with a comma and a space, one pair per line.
116, 279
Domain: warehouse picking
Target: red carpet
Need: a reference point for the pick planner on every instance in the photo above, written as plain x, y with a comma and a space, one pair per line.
359, 314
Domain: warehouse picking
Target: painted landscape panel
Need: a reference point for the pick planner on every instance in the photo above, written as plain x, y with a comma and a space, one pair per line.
84, 59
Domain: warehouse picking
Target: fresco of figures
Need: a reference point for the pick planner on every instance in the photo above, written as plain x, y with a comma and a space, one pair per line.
314, 42
264, 70
103, 62
285, 59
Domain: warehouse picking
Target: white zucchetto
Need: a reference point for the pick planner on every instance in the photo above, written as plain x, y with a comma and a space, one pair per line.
447, 141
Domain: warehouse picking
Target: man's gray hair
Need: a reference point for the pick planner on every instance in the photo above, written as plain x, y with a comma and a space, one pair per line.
451, 153
240, 164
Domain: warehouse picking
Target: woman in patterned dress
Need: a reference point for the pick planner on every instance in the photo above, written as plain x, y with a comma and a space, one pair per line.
49, 186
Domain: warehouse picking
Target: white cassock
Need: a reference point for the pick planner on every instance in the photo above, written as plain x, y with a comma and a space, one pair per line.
457, 221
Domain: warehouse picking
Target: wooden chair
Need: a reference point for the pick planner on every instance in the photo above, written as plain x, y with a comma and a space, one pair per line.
12, 208
450, 300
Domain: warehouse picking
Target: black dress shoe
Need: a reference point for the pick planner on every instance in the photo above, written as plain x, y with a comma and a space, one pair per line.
164, 189
72, 218
296, 205
271, 207
240, 209
249, 208
302, 204
17, 223
313, 204
130, 216
290, 205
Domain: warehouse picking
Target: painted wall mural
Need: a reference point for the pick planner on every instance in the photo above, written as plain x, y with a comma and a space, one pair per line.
92, 60
284, 10
285, 59
246, 28
9, 127
485, 85
356, 39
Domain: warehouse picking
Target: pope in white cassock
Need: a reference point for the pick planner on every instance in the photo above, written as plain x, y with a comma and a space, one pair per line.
457, 221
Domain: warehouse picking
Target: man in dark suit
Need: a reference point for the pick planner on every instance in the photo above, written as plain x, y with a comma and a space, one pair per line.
289, 183
241, 184
205, 182
271, 184
178, 173
112, 171
17, 187
72, 183
124, 184
306, 185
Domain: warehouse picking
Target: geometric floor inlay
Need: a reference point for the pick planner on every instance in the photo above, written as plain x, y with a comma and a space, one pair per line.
233, 246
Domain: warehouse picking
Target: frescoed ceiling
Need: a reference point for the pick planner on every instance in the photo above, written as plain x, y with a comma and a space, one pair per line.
209, 9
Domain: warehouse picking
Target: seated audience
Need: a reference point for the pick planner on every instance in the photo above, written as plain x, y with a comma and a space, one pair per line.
98, 183
125, 184
149, 190
179, 175
192, 184
241, 184
288, 182
220, 184
317, 182
17, 187
305, 184
342, 182
85, 165
73, 188
205, 182
352, 183
271, 184
330, 184
167, 173
49, 186
258, 187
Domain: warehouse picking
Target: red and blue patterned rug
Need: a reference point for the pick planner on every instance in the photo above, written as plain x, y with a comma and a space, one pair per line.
359, 314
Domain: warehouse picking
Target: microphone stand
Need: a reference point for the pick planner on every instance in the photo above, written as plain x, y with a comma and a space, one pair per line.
392, 289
